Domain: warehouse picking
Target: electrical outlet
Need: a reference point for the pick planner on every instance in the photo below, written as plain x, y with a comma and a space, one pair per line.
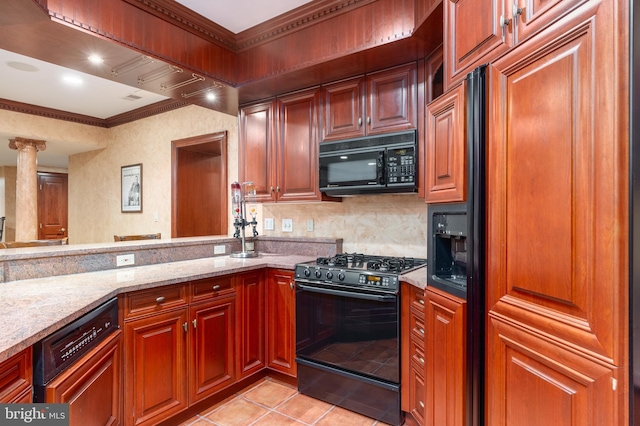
269, 224
219, 249
287, 225
309, 225
125, 260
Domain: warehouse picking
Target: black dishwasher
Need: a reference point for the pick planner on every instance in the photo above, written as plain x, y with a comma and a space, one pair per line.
58, 351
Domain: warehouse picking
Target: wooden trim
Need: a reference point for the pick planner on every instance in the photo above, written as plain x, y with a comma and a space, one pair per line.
116, 120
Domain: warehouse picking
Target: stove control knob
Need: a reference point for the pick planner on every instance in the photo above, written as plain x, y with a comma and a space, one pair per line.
341, 276
329, 275
307, 272
318, 273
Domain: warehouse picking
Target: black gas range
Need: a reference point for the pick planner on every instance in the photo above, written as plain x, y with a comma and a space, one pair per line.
358, 272
348, 329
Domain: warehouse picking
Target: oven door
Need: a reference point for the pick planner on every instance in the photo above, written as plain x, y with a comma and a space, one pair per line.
350, 172
349, 331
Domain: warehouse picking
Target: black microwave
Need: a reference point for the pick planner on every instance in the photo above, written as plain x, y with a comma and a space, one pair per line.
369, 165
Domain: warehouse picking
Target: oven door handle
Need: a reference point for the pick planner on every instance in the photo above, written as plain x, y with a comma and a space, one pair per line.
355, 295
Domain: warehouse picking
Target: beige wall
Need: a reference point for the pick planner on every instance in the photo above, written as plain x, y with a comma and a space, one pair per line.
381, 224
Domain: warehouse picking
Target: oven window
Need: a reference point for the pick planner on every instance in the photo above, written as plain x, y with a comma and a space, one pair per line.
351, 334
349, 169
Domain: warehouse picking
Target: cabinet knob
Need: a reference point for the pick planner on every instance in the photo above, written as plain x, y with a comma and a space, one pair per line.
421, 301
277, 189
517, 11
185, 326
504, 22
216, 287
421, 359
368, 120
195, 323
271, 189
359, 121
421, 404
421, 330
160, 299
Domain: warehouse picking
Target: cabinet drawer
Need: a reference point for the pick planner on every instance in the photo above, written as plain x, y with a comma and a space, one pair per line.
417, 356
210, 288
416, 396
416, 298
416, 324
15, 377
154, 300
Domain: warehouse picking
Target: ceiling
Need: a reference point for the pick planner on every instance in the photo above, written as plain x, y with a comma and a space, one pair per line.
35, 82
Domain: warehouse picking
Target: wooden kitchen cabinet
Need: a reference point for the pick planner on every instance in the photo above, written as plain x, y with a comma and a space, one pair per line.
179, 347
92, 386
381, 102
556, 302
16, 378
413, 333
446, 153
473, 35
257, 148
281, 335
445, 384
250, 320
211, 347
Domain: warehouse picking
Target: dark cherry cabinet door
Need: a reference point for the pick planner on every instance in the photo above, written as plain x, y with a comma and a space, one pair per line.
250, 334
257, 151
297, 151
155, 367
16, 377
93, 386
344, 109
281, 334
211, 355
391, 99
556, 228
473, 35
445, 154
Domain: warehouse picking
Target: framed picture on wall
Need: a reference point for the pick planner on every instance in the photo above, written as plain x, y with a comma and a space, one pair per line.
131, 187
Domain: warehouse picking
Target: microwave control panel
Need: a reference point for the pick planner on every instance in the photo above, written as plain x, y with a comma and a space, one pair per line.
401, 163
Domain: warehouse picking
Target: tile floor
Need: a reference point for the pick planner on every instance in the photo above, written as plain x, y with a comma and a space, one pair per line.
273, 403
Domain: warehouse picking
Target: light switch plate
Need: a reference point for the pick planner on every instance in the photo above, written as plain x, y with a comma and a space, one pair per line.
218, 249
287, 225
269, 224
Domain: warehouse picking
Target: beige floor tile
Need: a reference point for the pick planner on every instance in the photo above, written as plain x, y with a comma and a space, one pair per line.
237, 412
197, 422
304, 408
270, 394
342, 417
276, 419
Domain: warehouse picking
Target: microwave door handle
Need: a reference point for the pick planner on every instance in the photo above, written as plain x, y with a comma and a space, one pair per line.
382, 168
332, 292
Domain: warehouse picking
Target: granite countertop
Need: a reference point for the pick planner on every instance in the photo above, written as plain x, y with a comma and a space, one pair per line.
32, 309
417, 277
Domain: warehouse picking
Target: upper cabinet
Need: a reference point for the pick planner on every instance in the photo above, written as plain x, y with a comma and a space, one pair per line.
380, 102
474, 32
478, 31
279, 147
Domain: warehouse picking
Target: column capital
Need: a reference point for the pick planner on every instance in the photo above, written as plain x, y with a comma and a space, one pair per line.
24, 143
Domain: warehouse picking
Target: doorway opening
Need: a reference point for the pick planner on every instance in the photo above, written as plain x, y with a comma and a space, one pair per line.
199, 186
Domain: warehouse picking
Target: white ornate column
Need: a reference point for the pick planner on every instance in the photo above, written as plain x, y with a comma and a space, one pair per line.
27, 187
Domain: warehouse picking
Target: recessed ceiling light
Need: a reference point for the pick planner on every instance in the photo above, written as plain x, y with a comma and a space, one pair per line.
95, 59
21, 66
72, 80
211, 96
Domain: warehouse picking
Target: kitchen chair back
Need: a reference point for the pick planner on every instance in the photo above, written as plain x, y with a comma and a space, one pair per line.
136, 237
35, 243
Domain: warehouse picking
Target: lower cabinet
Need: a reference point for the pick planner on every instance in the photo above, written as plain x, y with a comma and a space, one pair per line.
413, 352
179, 350
250, 323
92, 386
445, 356
16, 375
281, 329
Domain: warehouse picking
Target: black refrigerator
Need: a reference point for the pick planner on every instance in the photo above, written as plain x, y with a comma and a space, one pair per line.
456, 245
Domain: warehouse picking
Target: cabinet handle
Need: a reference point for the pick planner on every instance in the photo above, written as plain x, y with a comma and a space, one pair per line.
195, 325
185, 326
421, 404
291, 286
517, 11
216, 287
160, 299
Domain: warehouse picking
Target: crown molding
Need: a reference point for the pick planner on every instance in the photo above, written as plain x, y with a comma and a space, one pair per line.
137, 114
294, 20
